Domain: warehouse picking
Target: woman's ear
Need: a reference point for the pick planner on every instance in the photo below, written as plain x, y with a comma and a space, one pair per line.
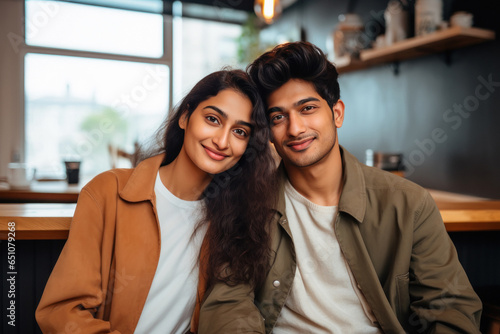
183, 120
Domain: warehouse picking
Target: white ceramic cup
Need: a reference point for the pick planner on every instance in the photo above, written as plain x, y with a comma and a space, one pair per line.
461, 19
20, 175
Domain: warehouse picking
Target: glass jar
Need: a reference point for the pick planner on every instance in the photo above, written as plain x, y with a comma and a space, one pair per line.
428, 16
347, 36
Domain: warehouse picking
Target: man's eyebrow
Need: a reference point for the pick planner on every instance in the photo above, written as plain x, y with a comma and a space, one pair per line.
273, 109
224, 115
296, 104
308, 99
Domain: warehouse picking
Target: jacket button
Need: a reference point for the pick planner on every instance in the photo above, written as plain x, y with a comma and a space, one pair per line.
276, 283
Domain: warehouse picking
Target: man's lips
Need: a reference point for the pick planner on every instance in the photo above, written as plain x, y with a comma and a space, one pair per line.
300, 145
214, 154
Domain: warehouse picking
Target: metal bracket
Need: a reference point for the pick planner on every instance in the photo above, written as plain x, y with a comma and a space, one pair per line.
447, 57
395, 67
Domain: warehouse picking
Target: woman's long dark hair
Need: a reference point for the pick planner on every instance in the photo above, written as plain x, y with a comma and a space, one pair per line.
239, 201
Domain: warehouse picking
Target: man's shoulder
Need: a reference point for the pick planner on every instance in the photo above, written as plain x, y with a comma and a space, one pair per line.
389, 187
376, 179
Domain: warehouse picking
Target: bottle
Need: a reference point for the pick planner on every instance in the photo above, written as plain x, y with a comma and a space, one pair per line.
428, 16
396, 22
347, 36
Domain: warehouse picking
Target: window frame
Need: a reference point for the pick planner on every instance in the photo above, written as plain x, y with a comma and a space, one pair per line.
12, 66
165, 59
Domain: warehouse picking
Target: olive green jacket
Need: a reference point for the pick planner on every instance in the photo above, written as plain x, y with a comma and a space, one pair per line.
394, 240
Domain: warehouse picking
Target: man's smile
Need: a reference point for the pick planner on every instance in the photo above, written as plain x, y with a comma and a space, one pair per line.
298, 145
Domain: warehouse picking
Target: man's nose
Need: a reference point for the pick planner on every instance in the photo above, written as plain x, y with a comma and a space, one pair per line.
296, 124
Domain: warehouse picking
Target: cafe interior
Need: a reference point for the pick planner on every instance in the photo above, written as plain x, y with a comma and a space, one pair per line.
85, 83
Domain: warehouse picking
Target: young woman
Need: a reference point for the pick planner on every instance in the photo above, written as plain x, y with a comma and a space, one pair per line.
130, 264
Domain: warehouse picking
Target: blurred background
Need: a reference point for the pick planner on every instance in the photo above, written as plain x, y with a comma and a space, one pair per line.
88, 79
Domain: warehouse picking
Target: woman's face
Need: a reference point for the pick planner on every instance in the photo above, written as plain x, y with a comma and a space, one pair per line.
217, 132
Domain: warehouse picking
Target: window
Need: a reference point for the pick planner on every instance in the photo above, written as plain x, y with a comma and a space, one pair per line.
96, 76
203, 47
91, 28
76, 107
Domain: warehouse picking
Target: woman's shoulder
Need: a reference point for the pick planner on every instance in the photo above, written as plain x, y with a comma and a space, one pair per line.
109, 181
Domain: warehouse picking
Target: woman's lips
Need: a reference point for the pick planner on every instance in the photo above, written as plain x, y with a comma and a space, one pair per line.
214, 154
301, 145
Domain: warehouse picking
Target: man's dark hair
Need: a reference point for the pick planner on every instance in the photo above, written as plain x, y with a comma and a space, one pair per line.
297, 60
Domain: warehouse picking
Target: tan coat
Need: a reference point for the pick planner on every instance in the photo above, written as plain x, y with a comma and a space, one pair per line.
102, 278
394, 240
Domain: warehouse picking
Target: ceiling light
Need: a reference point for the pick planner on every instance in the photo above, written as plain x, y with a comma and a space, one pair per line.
267, 10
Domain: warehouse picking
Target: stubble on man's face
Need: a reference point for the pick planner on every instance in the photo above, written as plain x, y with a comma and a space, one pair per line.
302, 124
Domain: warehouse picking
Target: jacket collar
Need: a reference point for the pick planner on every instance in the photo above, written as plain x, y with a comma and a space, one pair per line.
353, 197
140, 185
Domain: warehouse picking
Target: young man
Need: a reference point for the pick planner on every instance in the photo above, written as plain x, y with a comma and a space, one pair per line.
355, 249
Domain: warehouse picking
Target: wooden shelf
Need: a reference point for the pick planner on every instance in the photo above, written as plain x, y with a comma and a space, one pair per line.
439, 41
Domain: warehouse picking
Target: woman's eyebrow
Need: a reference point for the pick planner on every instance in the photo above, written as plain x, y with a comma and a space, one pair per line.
224, 115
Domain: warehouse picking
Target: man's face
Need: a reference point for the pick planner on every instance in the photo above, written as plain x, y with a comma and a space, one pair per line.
303, 127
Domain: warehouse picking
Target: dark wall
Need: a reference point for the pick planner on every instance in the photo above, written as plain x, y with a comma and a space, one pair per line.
34, 261
400, 113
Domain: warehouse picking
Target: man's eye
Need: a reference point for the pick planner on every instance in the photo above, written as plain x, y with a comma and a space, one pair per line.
277, 118
212, 119
308, 108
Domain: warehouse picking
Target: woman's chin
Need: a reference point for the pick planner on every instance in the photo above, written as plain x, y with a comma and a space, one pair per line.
217, 168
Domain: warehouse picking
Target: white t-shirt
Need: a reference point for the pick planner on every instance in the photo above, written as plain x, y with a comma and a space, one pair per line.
324, 297
172, 296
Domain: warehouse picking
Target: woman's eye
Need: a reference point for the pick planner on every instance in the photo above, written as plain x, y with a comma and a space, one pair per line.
212, 119
241, 132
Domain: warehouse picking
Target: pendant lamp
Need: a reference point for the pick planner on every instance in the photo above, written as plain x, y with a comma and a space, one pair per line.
267, 10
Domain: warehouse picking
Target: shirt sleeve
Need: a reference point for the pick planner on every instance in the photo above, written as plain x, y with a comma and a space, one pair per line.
442, 298
230, 309
74, 291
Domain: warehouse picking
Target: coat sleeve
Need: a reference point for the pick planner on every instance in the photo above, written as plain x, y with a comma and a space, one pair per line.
74, 291
442, 298
230, 310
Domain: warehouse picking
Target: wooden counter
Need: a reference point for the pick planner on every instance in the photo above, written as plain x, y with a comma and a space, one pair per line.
42, 192
36, 221
467, 213
52, 221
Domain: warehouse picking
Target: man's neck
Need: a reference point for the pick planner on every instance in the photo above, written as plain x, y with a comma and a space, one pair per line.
320, 183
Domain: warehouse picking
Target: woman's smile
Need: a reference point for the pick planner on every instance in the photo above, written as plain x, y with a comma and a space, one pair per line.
217, 132
215, 154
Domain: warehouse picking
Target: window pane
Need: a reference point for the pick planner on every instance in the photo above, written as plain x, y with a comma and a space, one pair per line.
92, 28
76, 107
202, 47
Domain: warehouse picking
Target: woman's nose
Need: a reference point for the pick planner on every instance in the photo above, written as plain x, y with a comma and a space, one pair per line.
221, 139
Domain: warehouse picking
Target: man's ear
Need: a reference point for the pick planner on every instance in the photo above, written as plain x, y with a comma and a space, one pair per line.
338, 113
183, 120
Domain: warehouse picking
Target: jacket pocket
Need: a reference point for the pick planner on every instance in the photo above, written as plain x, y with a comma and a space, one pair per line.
403, 298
